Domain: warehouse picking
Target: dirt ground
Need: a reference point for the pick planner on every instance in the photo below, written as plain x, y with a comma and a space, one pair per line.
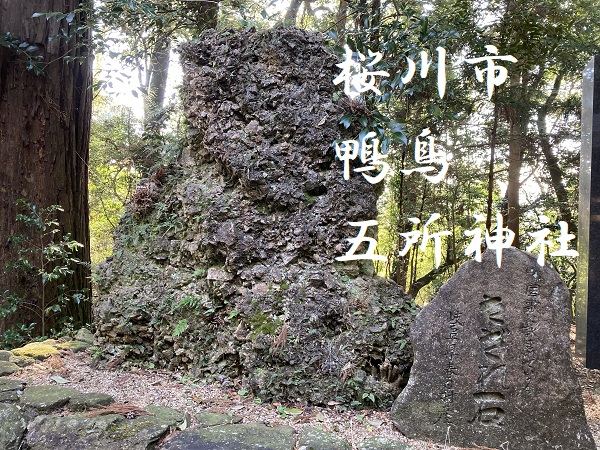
177, 390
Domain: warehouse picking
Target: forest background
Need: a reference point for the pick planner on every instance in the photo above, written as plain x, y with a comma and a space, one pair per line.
516, 155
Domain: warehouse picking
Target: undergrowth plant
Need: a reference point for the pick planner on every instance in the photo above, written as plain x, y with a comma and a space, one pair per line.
47, 256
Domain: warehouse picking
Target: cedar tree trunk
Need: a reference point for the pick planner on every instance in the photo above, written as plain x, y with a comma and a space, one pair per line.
44, 139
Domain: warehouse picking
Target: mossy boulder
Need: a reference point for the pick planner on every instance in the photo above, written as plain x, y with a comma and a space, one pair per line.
140, 432
5, 355
169, 416
76, 346
106, 432
22, 361
72, 432
37, 350
84, 335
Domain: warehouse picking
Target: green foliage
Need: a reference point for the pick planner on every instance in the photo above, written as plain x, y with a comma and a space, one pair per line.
189, 302
72, 28
551, 46
180, 328
263, 324
47, 256
115, 140
33, 60
284, 412
17, 335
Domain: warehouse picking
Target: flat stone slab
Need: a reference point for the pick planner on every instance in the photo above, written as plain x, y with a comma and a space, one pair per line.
251, 436
382, 443
84, 401
314, 438
7, 368
47, 398
166, 415
107, 432
208, 419
493, 363
75, 431
12, 427
10, 389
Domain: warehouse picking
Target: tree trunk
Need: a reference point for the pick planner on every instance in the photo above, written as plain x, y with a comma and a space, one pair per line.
341, 17
518, 128
44, 139
154, 98
492, 168
291, 15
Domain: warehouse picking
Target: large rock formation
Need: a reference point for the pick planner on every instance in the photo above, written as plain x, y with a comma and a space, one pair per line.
224, 264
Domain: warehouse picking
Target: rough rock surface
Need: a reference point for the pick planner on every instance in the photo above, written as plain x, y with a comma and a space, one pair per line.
109, 432
225, 263
82, 402
208, 419
7, 368
492, 361
46, 398
12, 426
55, 426
252, 436
381, 443
10, 389
313, 439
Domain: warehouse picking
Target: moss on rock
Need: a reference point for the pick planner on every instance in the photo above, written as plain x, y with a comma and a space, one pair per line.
37, 350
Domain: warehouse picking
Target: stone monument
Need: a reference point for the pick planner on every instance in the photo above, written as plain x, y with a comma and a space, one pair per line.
588, 284
493, 363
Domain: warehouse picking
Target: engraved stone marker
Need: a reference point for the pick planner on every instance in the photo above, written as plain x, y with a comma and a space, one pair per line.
588, 242
492, 361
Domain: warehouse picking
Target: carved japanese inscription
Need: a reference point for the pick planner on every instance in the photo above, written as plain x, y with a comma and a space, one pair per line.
490, 397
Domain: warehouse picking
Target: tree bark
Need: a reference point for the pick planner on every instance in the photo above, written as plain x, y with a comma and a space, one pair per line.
44, 139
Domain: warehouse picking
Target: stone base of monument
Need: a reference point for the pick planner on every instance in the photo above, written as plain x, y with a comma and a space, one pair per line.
493, 363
